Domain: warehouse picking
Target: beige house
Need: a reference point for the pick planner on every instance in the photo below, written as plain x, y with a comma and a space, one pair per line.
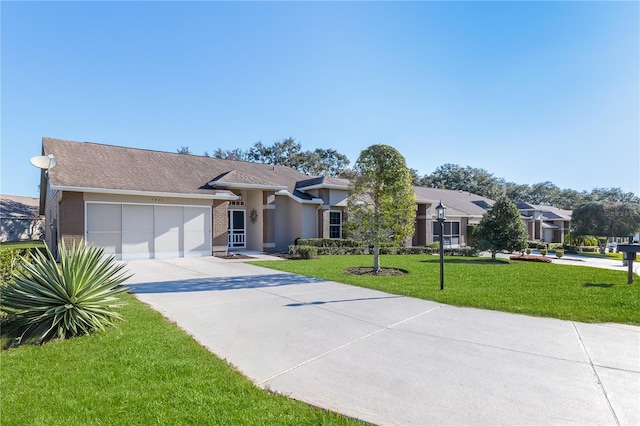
546, 224
140, 204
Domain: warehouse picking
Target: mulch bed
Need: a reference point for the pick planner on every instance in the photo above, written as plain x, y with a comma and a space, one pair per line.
530, 258
383, 272
237, 256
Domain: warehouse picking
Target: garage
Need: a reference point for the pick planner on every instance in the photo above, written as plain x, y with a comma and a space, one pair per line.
149, 231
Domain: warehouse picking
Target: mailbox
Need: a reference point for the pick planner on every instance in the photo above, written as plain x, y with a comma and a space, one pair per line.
629, 255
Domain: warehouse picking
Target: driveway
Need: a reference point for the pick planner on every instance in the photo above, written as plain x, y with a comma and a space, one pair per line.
391, 359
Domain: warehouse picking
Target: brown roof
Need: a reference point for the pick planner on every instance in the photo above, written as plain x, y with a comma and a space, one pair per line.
458, 203
89, 165
16, 207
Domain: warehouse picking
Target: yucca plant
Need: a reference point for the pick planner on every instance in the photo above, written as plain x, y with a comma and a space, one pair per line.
48, 301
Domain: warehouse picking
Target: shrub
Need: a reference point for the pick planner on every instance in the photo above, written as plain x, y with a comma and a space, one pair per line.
307, 252
327, 242
528, 251
434, 245
543, 252
588, 249
529, 258
46, 302
559, 253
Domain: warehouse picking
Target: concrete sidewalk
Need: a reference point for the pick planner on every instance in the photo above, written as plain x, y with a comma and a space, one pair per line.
391, 359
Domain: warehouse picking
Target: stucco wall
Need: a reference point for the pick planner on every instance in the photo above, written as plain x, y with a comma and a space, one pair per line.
254, 230
288, 222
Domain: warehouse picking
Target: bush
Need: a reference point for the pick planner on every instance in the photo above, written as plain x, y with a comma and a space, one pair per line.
434, 245
528, 251
529, 258
588, 249
543, 252
307, 252
327, 242
46, 302
536, 245
559, 253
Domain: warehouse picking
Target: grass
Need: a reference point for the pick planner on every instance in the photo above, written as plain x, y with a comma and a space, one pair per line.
22, 245
611, 256
146, 371
567, 292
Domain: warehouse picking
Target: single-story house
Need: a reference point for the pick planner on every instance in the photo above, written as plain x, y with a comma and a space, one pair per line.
547, 224
139, 203
19, 219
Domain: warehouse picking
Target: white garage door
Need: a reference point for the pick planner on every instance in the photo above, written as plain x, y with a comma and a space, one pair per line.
145, 231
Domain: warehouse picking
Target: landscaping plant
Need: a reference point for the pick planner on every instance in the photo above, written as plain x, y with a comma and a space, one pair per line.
48, 301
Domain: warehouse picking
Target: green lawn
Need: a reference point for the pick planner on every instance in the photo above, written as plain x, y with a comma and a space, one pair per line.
560, 291
22, 245
146, 371
611, 256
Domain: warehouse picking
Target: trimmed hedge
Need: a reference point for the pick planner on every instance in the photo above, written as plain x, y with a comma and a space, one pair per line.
327, 242
536, 245
361, 249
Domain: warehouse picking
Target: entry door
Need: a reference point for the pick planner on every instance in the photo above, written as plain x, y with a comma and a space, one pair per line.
236, 228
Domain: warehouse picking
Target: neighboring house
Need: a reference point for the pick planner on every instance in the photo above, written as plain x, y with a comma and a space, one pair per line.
464, 209
19, 219
140, 203
547, 224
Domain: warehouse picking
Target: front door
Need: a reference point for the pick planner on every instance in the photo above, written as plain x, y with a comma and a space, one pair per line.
236, 228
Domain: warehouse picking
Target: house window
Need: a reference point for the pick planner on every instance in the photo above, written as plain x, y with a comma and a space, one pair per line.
335, 224
451, 233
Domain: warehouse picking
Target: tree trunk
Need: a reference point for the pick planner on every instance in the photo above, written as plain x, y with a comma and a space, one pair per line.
376, 257
493, 255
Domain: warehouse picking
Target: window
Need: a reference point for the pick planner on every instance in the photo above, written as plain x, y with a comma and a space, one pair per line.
335, 224
451, 233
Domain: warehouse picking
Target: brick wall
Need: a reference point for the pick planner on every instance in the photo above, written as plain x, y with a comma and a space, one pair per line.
71, 217
219, 225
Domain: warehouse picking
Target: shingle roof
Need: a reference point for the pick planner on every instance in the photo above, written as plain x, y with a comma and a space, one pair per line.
322, 180
458, 203
92, 165
17, 207
548, 212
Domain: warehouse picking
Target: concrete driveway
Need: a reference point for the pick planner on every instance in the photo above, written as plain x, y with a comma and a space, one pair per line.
391, 359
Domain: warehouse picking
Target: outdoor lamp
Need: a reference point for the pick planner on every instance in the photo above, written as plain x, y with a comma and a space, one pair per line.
441, 216
441, 212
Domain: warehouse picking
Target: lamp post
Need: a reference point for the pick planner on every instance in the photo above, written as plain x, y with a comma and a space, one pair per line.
441, 216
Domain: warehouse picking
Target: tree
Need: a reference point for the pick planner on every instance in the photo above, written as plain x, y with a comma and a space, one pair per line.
470, 179
231, 154
184, 150
605, 221
501, 228
381, 206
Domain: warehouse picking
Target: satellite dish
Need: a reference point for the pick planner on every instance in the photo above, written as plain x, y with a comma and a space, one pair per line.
43, 161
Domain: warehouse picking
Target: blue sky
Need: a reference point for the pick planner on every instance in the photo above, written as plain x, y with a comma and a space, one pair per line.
530, 91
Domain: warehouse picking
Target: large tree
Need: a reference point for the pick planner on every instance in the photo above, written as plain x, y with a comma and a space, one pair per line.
501, 228
288, 152
381, 206
605, 221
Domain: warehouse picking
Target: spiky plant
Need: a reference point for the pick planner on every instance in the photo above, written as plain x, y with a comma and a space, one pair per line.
48, 301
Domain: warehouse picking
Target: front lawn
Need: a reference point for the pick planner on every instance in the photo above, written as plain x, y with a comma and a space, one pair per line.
22, 245
560, 291
147, 371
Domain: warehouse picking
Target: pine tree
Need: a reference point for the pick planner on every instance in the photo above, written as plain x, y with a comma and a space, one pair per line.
501, 228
